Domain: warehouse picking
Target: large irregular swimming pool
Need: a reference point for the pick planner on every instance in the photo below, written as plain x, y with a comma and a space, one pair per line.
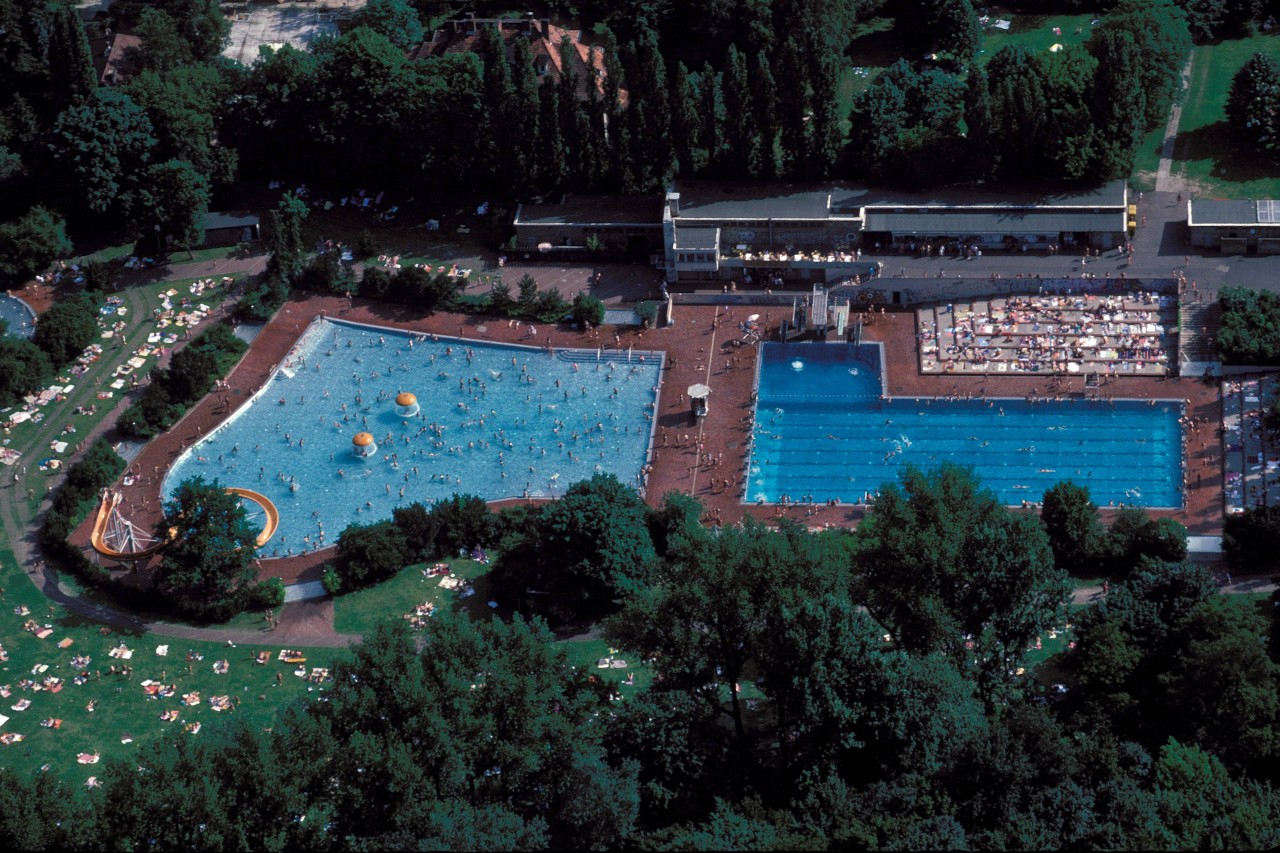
825, 430
495, 420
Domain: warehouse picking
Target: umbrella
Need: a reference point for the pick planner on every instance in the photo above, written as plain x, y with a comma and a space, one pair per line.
753, 318
699, 390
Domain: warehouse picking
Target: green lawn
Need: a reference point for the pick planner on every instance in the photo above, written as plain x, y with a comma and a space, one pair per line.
874, 48
1035, 32
1147, 161
358, 612
1205, 153
122, 707
197, 256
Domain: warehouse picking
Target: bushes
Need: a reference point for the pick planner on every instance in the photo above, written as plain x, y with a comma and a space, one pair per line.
325, 274
190, 376
1252, 539
23, 366
368, 553
75, 498
70, 325
588, 310
1250, 332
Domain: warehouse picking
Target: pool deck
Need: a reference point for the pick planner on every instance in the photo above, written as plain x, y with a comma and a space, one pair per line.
699, 349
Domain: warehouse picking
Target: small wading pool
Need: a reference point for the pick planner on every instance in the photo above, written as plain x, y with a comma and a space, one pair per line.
493, 420
19, 316
824, 430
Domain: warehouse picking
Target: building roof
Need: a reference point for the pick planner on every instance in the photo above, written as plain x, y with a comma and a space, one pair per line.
597, 210
720, 202
214, 221
723, 202
1222, 211
1111, 194
958, 223
544, 37
111, 60
697, 238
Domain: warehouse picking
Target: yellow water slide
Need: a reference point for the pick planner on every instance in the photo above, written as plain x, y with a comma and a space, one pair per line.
268, 508
111, 500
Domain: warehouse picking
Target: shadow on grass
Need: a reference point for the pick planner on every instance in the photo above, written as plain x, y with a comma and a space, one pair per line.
1212, 153
875, 44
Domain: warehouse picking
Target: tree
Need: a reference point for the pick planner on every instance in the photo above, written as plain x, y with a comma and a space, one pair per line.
368, 553
285, 242
395, 19
23, 366
763, 108
718, 603
516, 711
182, 33
585, 551
1019, 112
1160, 44
905, 126
824, 131
69, 326
949, 569
740, 156
70, 66
102, 145
463, 522
686, 121
940, 26
1134, 535
1252, 538
1253, 104
1119, 100
793, 78
1201, 806
711, 107
39, 813
1223, 688
207, 569
587, 309
185, 106
176, 197
30, 243
1071, 520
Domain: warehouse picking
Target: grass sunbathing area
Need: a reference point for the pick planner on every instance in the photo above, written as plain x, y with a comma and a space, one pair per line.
74, 708
1206, 154
462, 584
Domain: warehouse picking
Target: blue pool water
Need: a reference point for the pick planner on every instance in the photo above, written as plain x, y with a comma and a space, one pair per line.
20, 318
523, 421
823, 429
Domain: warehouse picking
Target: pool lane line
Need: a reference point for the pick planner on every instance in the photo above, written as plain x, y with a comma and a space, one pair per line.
711, 351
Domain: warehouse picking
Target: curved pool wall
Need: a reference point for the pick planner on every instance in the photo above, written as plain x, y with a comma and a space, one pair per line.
19, 315
523, 422
828, 430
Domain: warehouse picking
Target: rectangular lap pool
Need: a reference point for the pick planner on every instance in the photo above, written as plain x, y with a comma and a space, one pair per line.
824, 430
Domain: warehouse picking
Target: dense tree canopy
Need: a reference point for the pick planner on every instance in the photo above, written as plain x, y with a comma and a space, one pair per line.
949, 569
1253, 105
207, 570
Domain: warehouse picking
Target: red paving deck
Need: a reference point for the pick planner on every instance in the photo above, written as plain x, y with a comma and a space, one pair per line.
700, 349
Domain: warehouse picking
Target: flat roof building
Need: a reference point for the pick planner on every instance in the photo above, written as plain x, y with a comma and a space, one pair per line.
1235, 226
810, 233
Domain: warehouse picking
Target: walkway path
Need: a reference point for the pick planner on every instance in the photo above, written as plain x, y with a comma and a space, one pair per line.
1165, 182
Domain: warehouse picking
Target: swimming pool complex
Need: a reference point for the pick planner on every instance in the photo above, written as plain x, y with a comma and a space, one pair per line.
824, 430
496, 420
